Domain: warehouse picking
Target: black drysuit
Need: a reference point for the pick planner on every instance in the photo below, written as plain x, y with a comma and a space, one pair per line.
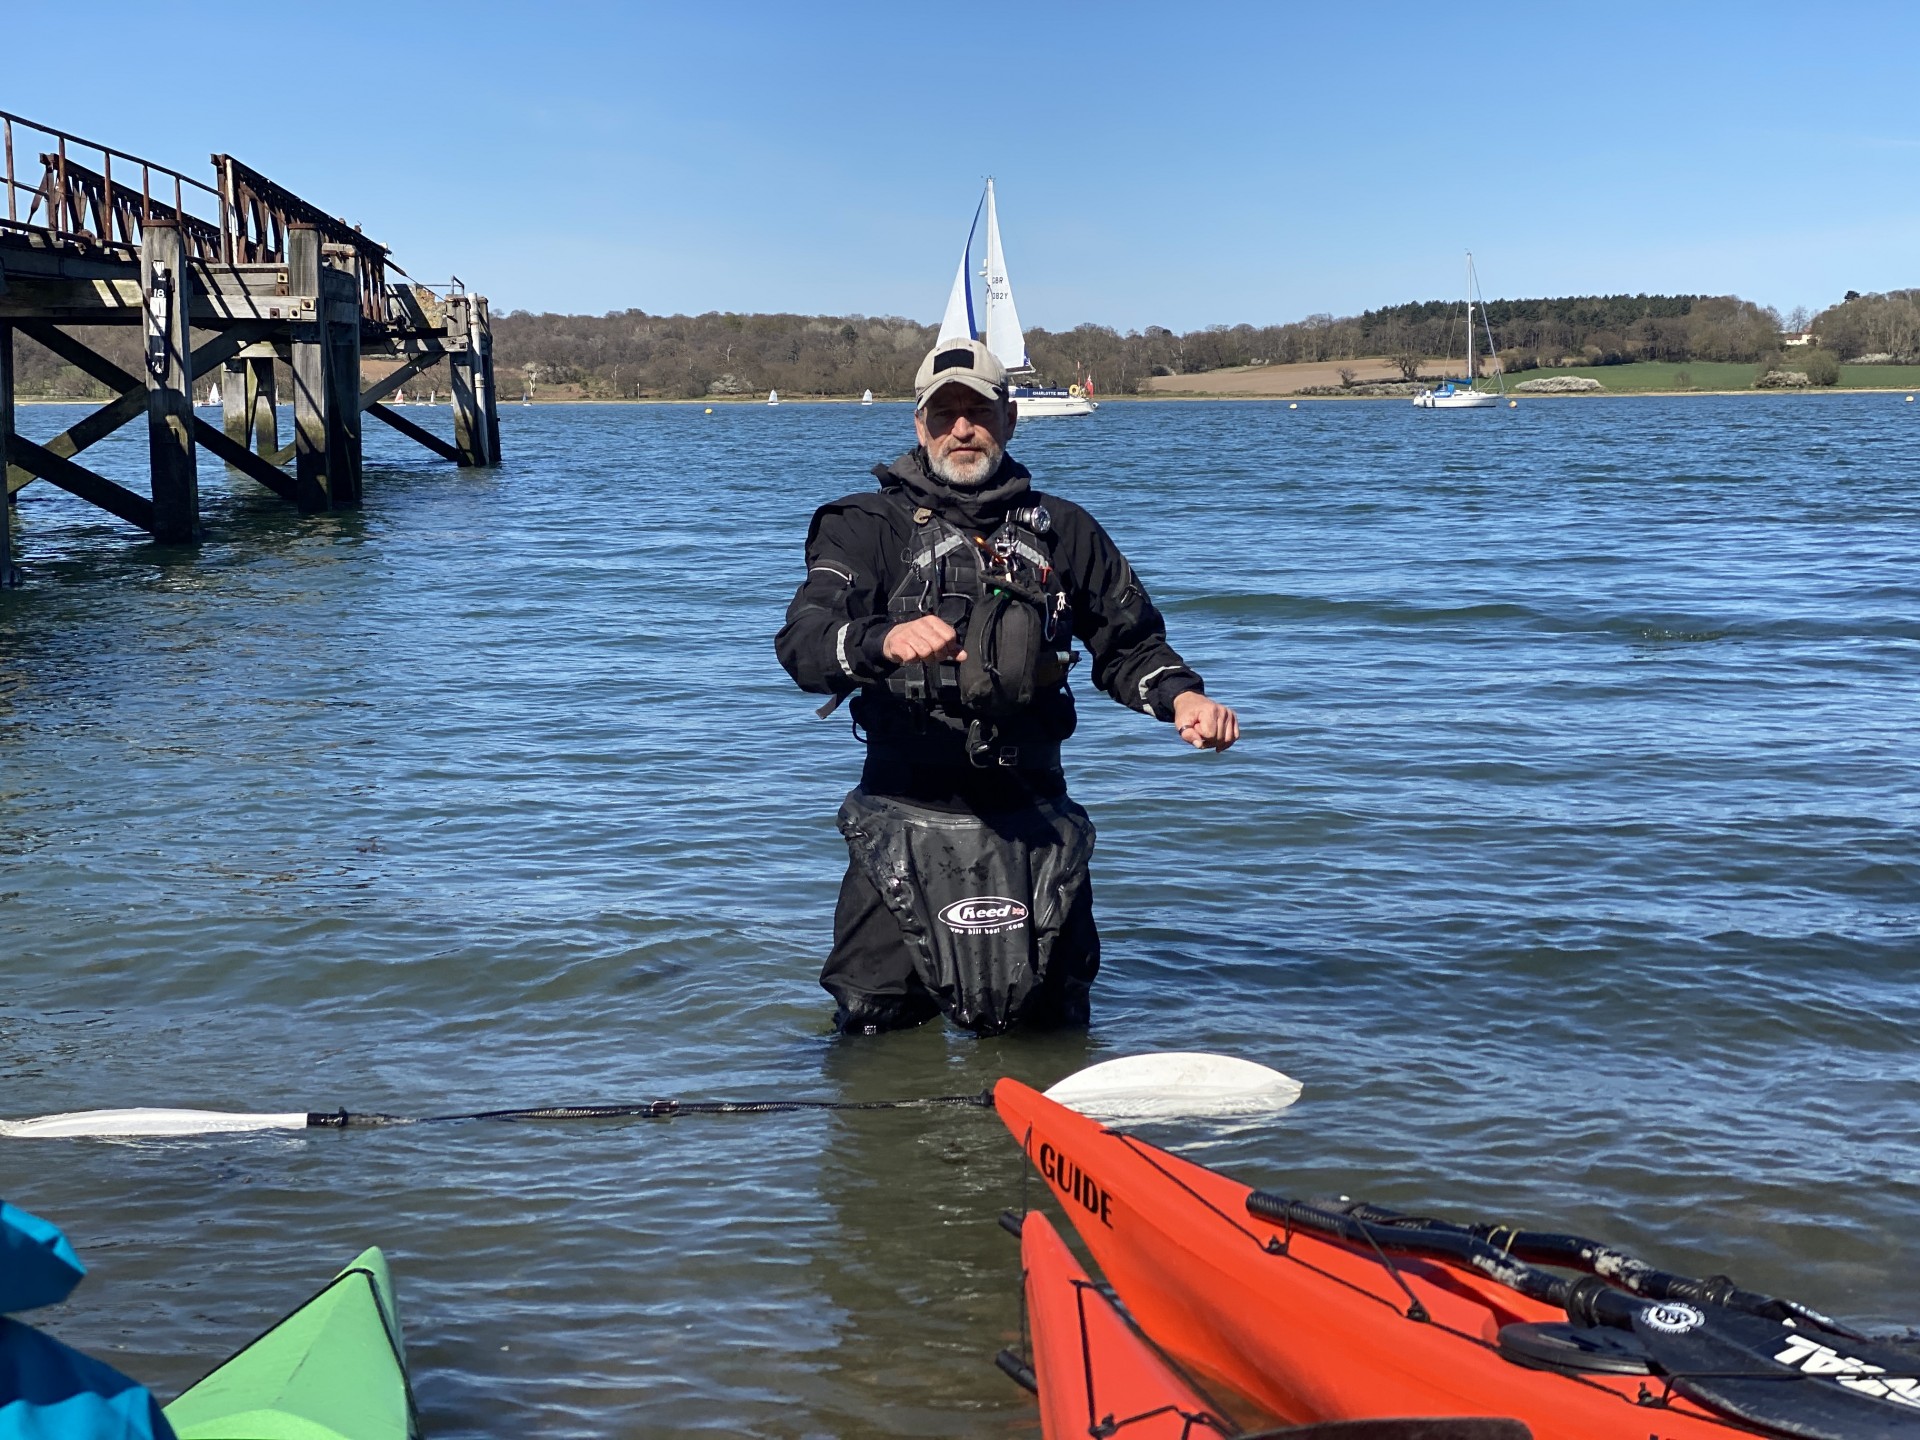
1010, 797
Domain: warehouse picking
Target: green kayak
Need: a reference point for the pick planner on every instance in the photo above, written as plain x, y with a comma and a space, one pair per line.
334, 1369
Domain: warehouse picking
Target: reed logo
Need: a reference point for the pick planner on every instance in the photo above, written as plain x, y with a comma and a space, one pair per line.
984, 915
1673, 1319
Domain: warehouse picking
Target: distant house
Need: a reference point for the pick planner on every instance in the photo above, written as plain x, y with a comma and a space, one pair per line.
1805, 337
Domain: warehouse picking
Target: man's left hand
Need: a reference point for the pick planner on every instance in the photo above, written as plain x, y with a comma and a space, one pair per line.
1204, 724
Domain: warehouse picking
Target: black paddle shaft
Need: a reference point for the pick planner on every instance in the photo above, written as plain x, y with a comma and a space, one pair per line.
1587, 1301
1510, 1257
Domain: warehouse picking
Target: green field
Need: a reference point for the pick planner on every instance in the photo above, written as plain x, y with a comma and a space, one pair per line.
1650, 375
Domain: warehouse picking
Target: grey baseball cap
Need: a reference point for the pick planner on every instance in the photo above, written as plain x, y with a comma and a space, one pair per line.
960, 362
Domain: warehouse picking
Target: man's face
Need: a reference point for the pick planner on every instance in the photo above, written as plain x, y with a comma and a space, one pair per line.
965, 434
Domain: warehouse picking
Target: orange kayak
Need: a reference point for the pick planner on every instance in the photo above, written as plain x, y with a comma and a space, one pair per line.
1317, 1317
1094, 1375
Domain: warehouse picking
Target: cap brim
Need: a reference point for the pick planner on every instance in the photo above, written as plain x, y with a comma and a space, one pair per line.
977, 383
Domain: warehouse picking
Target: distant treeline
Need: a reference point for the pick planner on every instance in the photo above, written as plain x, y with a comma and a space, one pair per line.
631, 354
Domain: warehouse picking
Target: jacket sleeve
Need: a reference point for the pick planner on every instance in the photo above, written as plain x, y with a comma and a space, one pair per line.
1123, 631
837, 621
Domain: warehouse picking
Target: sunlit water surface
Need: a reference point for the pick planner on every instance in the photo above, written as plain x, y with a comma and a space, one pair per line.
1571, 859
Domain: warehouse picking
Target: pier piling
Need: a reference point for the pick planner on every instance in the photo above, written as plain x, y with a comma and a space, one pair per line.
7, 577
476, 418
173, 463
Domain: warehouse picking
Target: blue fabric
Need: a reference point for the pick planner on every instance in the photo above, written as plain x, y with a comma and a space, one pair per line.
50, 1391
37, 1265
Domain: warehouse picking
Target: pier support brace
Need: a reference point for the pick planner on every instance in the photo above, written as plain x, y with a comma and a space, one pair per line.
165, 293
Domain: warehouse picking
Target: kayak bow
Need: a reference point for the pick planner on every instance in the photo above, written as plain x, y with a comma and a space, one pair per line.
335, 1369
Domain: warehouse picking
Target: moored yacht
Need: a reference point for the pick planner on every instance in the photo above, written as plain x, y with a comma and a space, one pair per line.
1002, 333
1461, 394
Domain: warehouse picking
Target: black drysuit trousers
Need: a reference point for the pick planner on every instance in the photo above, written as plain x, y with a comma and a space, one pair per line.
942, 938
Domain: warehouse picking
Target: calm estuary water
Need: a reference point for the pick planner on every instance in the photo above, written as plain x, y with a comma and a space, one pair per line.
1571, 860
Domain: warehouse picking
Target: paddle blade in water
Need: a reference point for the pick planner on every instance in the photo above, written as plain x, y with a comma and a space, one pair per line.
1173, 1084
136, 1122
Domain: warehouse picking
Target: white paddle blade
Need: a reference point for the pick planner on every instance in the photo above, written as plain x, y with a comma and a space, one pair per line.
145, 1122
1175, 1084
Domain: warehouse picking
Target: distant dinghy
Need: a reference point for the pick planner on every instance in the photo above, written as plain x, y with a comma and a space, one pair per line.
866, 397
773, 397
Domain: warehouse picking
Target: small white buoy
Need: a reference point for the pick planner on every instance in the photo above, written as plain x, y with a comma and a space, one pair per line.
1513, 404
1909, 399
709, 409
1293, 405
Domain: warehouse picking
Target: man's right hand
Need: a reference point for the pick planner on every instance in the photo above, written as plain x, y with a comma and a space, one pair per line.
918, 641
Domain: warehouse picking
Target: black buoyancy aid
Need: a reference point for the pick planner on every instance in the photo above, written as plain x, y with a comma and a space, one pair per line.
1006, 601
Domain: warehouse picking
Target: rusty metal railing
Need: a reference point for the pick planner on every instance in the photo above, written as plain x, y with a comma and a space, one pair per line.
255, 213
93, 197
88, 204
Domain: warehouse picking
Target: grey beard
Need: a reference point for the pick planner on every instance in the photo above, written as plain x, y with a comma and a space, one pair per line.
949, 474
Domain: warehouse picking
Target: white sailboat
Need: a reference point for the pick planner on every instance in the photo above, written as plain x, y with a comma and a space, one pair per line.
1002, 332
866, 397
1453, 395
213, 394
773, 397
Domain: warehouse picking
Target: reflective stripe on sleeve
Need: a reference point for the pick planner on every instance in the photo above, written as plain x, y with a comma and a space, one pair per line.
1146, 684
840, 644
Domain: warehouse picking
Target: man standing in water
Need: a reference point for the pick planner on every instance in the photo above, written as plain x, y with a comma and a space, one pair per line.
946, 604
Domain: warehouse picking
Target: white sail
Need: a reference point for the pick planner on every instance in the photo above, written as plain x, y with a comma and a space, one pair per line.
213, 395
866, 397
773, 397
957, 323
1003, 335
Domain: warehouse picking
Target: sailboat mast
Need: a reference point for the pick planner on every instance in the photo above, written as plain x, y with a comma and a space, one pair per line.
1472, 373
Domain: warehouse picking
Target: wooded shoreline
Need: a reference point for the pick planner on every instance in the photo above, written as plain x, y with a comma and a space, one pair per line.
728, 358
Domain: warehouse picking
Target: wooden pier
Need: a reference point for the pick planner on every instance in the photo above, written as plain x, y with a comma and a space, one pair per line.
91, 235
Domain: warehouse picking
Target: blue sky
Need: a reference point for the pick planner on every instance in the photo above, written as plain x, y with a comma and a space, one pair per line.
1173, 164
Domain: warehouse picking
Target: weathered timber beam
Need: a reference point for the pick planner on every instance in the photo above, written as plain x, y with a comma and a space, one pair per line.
77, 353
379, 391
111, 302
88, 431
416, 433
245, 461
80, 481
426, 342
93, 428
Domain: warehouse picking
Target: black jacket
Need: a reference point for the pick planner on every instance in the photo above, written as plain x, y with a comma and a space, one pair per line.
856, 556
